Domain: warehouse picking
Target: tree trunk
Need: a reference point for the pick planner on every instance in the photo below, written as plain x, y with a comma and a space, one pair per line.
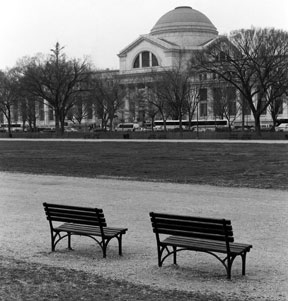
257, 125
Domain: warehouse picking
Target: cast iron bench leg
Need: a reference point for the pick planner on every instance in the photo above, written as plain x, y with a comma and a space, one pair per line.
120, 244
69, 241
229, 267
243, 263
174, 255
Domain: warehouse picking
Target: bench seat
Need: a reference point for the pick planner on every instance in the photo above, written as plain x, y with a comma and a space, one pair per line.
205, 245
81, 229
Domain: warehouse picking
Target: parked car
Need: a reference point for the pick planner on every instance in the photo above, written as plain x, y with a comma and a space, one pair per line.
283, 127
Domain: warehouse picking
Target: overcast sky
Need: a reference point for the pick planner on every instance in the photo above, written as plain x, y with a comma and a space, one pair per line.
100, 29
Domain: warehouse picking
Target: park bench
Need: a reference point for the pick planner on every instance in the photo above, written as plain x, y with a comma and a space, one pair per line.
84, 221
176, 233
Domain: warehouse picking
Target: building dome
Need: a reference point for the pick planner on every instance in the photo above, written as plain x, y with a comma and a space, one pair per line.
184, 26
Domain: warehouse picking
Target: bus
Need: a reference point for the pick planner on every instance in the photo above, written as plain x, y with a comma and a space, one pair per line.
203, 125
14, 127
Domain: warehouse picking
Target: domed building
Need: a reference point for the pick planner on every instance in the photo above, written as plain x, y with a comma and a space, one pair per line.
181, 30
174, 37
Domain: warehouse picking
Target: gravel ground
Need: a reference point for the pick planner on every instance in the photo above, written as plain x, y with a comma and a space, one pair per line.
258, 217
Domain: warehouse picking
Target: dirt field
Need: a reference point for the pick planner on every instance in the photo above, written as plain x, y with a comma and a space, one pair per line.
258, 216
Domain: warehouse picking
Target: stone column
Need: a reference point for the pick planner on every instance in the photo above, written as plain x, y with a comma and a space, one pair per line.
210, 103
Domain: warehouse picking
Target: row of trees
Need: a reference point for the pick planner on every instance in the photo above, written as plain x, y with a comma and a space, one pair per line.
254, 62
250, 66
69, 88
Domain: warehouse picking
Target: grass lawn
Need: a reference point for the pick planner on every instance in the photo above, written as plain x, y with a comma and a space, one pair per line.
239, 165
229, 164
23, 281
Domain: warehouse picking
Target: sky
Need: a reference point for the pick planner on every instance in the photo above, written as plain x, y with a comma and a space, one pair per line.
98, 30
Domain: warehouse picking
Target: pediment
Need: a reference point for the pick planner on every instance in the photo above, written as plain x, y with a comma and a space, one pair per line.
161, 43
219, 41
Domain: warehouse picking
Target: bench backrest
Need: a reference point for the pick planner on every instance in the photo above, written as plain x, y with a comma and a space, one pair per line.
189, 226
74, 214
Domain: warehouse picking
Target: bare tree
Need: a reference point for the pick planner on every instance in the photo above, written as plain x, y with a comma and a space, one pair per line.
173, 88
158, 102
56, 80
193, 99
276, 107
137, 104
226, 105
254, 61
81, 108
108, 95
28, 111
9, 94
153, 108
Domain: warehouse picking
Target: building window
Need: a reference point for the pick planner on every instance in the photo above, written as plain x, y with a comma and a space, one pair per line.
89, 111
50, 114
15, 112
203, 109
202, 76
222, 56
203, 102
246, 110
41, 111
262, 105
231, 100
145, 59
278, 106
203, 94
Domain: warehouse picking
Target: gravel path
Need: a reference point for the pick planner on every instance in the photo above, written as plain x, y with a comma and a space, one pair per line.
259, 217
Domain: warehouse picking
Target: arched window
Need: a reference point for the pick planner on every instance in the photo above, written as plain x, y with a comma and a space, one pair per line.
145, 59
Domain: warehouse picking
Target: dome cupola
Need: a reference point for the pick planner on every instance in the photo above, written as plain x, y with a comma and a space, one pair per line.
184, 26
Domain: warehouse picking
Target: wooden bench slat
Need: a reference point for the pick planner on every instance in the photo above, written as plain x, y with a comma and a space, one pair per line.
74, 213
191, 223
69, 207
75, 218
195, 227
193, 234
76, 221
160, 216
196, 244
